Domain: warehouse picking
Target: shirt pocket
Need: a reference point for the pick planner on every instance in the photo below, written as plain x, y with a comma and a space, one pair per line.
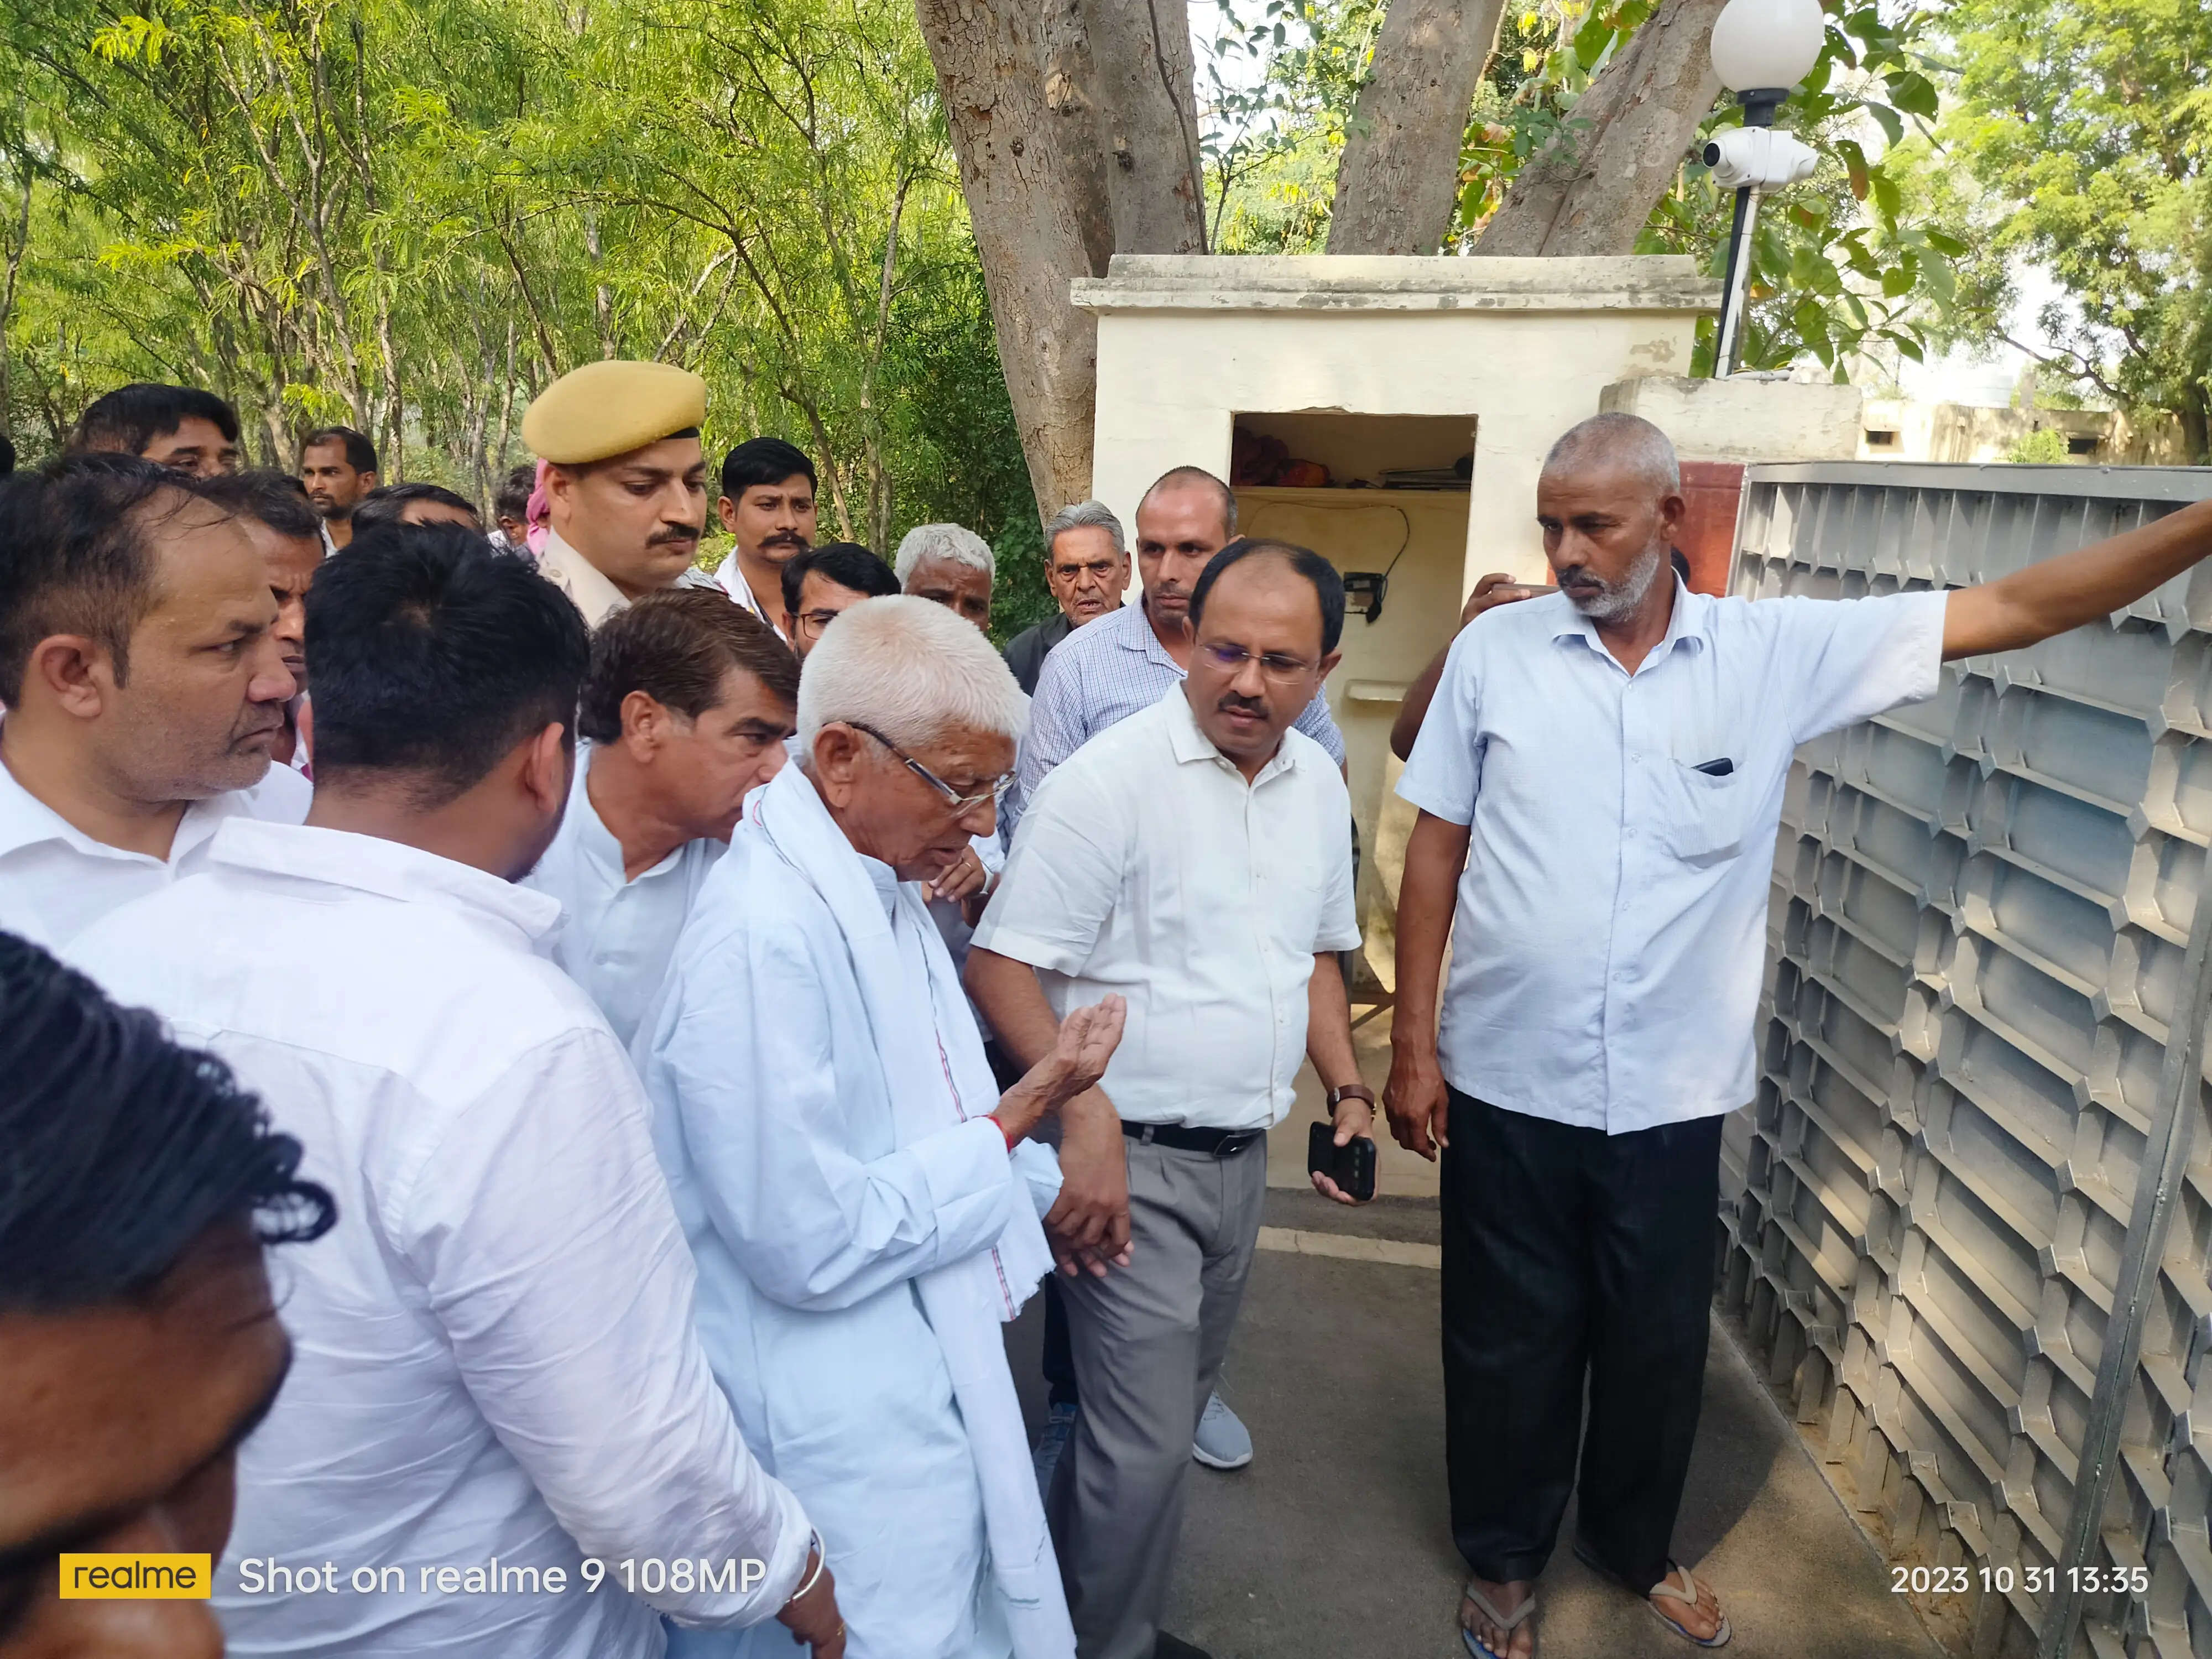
1706, 818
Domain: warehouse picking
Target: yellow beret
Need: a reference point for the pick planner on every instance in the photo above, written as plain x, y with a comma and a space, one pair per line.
610, 408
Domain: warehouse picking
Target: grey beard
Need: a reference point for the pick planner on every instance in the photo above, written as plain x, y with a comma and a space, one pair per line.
1623, 598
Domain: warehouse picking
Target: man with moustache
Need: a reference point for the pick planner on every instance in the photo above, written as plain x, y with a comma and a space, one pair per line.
767, 507
337, 465
1125, 661
144, 685
1196, 857
1133, 656
1086, 566
1599, 782
273, 511
684, 710
624, 479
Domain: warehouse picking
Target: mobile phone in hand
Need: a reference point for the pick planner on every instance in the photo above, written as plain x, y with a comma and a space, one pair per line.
1350, 1166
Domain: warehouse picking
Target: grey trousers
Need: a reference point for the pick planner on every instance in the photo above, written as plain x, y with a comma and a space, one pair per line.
1148, 1339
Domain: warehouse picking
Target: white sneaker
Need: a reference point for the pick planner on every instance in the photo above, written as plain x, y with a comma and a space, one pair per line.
1222, 1440
1051, 1442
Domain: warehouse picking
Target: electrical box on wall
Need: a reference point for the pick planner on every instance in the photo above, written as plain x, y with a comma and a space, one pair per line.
1363, 591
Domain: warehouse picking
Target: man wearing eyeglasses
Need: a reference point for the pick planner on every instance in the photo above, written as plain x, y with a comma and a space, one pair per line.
1107, 671
822, 582
1195, 860
862, 1198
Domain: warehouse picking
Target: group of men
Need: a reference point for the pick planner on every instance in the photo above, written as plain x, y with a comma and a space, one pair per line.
598, 974
675, 1022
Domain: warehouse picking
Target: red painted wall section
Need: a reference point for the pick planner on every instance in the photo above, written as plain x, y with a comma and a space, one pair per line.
1711, 490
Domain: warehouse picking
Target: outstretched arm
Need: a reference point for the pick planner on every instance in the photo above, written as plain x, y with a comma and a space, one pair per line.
2052, 595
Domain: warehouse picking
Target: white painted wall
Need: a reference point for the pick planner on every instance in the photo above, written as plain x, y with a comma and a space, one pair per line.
1521, 347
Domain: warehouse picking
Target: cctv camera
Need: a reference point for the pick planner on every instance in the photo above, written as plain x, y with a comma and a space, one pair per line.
1758, 156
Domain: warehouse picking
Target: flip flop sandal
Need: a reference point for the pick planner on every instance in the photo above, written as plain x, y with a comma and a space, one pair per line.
1679, 1586
1508, 1622
1686, 1593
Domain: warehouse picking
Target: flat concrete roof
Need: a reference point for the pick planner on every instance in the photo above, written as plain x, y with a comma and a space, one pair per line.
1321, 282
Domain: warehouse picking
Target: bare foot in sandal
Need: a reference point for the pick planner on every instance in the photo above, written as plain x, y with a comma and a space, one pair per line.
1701, 1620
1507, 1626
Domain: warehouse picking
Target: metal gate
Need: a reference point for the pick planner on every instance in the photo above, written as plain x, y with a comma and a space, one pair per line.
1968, 1217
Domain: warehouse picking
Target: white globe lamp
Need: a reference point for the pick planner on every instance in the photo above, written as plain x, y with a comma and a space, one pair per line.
1762, 48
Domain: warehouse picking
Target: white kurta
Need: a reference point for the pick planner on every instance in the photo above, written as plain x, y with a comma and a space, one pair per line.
617, 932
494, 1349
730, 577
814, 1216
55, 880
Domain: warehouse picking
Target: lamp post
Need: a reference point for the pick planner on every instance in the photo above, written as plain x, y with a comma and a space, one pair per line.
1760, 49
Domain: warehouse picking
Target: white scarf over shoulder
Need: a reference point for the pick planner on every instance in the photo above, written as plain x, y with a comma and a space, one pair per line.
937, 1075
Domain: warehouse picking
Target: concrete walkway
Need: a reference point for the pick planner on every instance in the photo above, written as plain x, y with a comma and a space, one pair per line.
1335, 1543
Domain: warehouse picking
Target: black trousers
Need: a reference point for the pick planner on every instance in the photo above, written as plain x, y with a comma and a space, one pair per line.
1573, 1256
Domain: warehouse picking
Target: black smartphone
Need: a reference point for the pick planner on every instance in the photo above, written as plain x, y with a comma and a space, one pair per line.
1350, 1166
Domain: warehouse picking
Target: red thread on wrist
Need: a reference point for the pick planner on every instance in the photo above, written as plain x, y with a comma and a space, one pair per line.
1003, 1130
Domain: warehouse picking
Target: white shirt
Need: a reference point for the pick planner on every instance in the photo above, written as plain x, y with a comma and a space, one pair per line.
494, 1349
1147, 865
55, 881
730, 577
617, 932
589, 588
1102, 672
813, 1217
1612, 920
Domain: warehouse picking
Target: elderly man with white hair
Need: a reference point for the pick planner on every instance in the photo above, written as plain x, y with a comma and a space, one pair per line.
863, 1201
949, 565
1086, 566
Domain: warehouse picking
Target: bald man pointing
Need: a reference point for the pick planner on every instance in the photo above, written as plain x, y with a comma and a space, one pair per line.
1601, 778
625, 480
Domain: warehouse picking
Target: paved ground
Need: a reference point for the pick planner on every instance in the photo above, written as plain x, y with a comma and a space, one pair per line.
1334, 1543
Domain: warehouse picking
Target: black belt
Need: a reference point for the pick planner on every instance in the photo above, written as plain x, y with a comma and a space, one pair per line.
1215, 1143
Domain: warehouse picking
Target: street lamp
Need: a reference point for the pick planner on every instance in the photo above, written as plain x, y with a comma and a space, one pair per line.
1760, 49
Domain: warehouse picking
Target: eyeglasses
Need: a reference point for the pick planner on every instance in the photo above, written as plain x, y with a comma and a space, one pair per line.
812, 622
959, 803
1273, 666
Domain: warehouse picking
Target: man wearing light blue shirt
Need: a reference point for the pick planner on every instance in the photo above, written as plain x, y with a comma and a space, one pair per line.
1601, 777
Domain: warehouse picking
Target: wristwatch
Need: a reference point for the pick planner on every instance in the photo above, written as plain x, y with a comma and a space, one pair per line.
1351, 1091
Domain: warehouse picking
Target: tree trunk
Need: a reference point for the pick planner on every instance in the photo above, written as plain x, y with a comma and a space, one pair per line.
1071, 93
1141, 57
1592, 188
1399, 178
991, 81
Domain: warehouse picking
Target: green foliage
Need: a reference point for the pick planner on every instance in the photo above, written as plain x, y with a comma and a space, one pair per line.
1279, 88
410, 216
2079, 140
1849, 262
2045, 447
1838, 267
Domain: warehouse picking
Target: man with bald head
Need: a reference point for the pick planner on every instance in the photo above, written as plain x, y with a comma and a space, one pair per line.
625, 481
1601, 778
1130, 658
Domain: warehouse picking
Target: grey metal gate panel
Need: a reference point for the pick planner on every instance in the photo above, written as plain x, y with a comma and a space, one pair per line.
1968, 1217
